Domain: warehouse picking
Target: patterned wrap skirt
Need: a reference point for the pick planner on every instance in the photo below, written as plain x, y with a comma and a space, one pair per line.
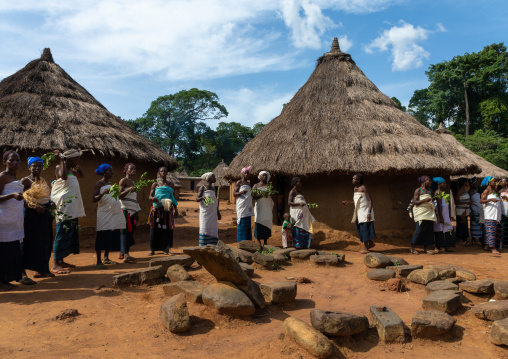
365, 231
493, 233
301, 238
244, 232
66, 239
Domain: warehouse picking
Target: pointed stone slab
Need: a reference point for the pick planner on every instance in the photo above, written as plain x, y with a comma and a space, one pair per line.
441, 285
152, 275
478, 286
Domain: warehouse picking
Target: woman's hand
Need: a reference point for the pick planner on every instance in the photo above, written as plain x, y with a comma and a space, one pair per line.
493, 200
369, 217
17, 196
427, 200
303, 204
155, 199
132, 189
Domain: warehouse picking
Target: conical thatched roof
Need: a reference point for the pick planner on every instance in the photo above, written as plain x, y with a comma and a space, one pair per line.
42, 108
219, 175
339, 122
487, 168
172, 176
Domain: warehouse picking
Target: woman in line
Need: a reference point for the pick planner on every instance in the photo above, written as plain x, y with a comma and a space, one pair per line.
492, 213
164, 210
504, 215
244, 210
443, 229
208, 211
263, 210
300, 216
476, 217
462, 210
363, 215
130, 209
38, 223
11, 221
424, 215
66, 195
110, 219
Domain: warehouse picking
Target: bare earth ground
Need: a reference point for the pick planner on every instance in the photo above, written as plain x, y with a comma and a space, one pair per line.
125, 323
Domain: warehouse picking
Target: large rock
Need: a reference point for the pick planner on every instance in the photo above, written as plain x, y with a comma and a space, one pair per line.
247, 269
308, 338
499, 332
381, 274
376, 260
302, 253
174, 314
443, 271
501, 289
193, 290
281, 258
404, 270
423, 276
249, 246
152, 275
166, 262
177, 273
441, 285
478, 286
491, 310
266, 260
241, 255
431, 323
226, 298
219, 262
338, 324
252, 290
279, 292
397, 261
447, 301
284, 251
324, 260
390, 327
463, 273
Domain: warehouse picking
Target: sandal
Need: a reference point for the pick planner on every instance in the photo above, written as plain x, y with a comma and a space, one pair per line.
27, 281
108, 261
129, 259
121, 256
413, 251
150, 254
363, 252
60, 271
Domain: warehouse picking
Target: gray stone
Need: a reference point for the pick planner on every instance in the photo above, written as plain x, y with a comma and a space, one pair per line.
431, 323
501, 289
447, 301
463, 273
241, 255
478, 286
388, 324
491, 310
252, 290
152, 275
266, 260
280, 258
177, 273
381, 274
249, 246
284, 251
166, 262
401, 261
308, 338
279, 292
404, 270
423, 276
302, 253
499, 332
324, 260
443, 271
338, 324
219, 262
193, 290
247, 269
174, 314
441, 285
226, 298
376, 260
455, 280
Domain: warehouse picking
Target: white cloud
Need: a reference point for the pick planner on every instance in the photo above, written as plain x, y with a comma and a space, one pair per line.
345, 43
403, 42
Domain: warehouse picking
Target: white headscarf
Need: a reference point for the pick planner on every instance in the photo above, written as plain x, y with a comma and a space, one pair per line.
207, 176
72, 153
267, 175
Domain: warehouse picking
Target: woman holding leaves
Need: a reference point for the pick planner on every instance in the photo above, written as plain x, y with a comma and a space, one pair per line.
208, 211
263, 209
492, 212
130, 209
424, 215
244, 210
462, 209
301, 217
164, 210
443, 229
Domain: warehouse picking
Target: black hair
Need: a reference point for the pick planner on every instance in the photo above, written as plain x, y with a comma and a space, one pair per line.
294, 181
461, 181
6, 155
359, 176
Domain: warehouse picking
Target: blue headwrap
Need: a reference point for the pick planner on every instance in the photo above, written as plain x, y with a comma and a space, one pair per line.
34, 159
438, 180
101, 169
487, 180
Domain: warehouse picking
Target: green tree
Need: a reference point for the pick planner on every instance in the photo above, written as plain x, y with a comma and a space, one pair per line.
399, 104
489, 145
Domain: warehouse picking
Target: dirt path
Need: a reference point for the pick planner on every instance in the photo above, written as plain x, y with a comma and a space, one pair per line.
125, 323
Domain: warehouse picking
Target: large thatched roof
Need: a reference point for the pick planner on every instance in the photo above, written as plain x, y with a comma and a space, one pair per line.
339, 122
42, 108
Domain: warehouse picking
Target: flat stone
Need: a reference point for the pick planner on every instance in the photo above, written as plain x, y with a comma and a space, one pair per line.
463, 273
219, 262
443, 271
440, 285
447, 301
284, 251
241, 255
491, 310
324, 259
226, 298
478, 286
499, 332
252, 290
308, 338
280, 258
404, 270
455, 280
423, 276
431, 323
266, 260
401, 261
247, 269
501, 289
381, 274
302, 253
388, 324
193, 290
249, 246
376, 260
166, 262
338, 324
279, 292
177, 273
174, 314
151, 275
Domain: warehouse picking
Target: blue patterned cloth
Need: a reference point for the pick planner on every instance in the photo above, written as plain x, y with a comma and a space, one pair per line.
204, 240
301, 238
244, 232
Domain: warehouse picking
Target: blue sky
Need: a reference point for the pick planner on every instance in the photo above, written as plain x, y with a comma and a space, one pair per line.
255, 54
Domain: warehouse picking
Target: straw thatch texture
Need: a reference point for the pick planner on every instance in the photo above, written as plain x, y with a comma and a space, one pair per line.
339, 122
42, 108
173, 177
218, 171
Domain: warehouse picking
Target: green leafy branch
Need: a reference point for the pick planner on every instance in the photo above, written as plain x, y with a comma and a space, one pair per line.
48, 158
268, 191
312, 205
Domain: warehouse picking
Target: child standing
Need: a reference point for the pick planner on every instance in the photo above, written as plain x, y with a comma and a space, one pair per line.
287, 232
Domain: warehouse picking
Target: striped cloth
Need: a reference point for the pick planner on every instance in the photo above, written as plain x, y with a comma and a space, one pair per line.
476, 226
204, 240
493, 233
301, 238
244, 232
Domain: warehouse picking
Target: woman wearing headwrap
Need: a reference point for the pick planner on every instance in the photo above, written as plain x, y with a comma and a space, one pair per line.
130, 210
38, 221
476, 218
110, 219
164, 210
462, 210
504, 217
263, 210
424, 214
208, 211
300, 216
244, 210
443, 229
492, 212
65, 189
